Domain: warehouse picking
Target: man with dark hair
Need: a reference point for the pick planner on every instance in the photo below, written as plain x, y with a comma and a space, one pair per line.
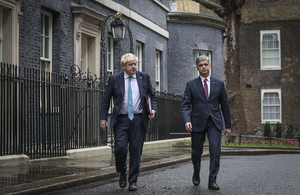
205, 94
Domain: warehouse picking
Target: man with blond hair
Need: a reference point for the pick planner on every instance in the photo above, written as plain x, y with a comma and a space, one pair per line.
130, 117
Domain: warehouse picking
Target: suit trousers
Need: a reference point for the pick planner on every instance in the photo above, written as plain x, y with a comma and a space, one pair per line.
214, 138
132, 133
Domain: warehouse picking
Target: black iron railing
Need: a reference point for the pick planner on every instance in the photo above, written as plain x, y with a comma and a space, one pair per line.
45, 114
168, 123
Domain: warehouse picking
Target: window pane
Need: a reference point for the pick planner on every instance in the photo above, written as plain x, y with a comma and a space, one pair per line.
265, 109
195, 72
277, 101
271, 54
43, 66
266, 96
157, 73
42, 24
270, 44
42, 46
110, 55
276, 44
109, 44
46, 48
46, 25
264, 54
265, 116
264, 44
276, 61
109, 62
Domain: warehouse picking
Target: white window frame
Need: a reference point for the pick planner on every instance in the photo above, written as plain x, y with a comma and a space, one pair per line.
273, 67
43, 59
196, 54
173, 6
272, 121
110, 55
139, 50
157, 70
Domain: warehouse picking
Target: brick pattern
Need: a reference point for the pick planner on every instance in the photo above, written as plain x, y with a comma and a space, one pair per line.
184, 39
272, 10
150, 10
177, 51
287, 79
63, 38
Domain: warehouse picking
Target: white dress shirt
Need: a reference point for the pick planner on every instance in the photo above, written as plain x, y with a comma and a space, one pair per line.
207, 82
137, 108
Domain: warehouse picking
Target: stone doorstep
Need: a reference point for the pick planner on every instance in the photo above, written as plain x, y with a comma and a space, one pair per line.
163, 143
106, 150
14, 160
89, 152
17, 160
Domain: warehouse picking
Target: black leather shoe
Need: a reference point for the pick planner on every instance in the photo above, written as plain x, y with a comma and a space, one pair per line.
132, 187
196, 179
122, 180
213, 186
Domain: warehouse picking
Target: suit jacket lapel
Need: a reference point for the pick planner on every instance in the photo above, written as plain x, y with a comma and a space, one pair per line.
200, 86
121, 81
212, 87
139, 78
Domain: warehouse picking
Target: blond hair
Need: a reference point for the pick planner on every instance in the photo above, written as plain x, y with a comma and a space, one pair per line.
127, 58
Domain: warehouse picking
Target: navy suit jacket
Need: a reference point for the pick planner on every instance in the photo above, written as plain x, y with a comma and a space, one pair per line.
115, 89
194, 96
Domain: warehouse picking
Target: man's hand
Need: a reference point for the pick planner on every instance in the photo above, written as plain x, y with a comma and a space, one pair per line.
152, 115
103, 124
227, 132
188, 127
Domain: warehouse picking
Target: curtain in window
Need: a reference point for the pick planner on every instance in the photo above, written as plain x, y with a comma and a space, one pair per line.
271, 106
270, 50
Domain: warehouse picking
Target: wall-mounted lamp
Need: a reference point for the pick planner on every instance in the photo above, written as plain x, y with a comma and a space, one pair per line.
118, 27
230, 38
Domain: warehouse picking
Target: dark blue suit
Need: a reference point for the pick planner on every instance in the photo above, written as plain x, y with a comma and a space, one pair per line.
194, 96
125, 130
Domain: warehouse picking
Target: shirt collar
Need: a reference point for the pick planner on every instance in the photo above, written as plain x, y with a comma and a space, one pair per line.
202, 78
126, 76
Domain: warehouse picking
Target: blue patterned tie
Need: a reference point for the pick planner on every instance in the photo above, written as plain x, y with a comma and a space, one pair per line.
130, 101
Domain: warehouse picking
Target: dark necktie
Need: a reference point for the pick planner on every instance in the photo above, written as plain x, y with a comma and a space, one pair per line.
130, 101
206, 92
206, 88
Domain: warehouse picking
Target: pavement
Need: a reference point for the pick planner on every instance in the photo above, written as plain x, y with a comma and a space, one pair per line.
46, 175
